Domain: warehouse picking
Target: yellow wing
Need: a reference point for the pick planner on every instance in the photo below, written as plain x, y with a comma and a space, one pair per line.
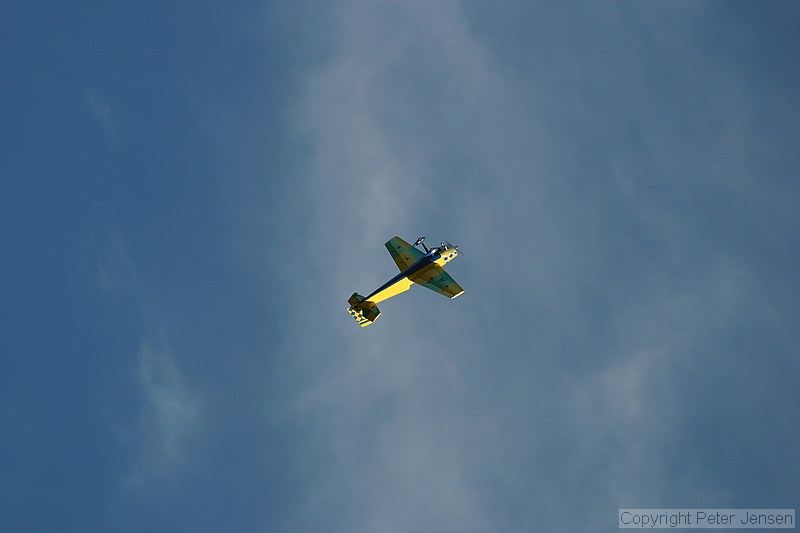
436, 279
403, 253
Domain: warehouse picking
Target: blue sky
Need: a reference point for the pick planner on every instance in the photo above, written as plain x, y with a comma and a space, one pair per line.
191, 191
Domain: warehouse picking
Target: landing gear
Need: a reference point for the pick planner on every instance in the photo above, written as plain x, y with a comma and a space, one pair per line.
420, 241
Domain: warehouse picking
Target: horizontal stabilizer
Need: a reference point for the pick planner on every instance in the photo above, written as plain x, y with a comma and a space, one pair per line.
364, 312
355, 299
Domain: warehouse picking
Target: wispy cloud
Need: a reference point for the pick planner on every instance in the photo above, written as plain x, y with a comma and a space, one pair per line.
169, 411
101, 112
115, 268
169, 417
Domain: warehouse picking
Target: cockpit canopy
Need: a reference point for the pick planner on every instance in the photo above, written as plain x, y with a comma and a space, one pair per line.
443, 247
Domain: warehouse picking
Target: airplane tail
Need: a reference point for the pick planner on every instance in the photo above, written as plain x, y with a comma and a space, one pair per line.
362, 310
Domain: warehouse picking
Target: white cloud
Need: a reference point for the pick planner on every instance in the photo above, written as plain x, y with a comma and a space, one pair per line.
391, 410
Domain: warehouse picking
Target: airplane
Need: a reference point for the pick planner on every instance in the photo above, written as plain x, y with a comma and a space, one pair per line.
415, 267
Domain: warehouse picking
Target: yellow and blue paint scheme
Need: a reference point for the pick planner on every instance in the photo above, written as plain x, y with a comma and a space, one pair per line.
415, 267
